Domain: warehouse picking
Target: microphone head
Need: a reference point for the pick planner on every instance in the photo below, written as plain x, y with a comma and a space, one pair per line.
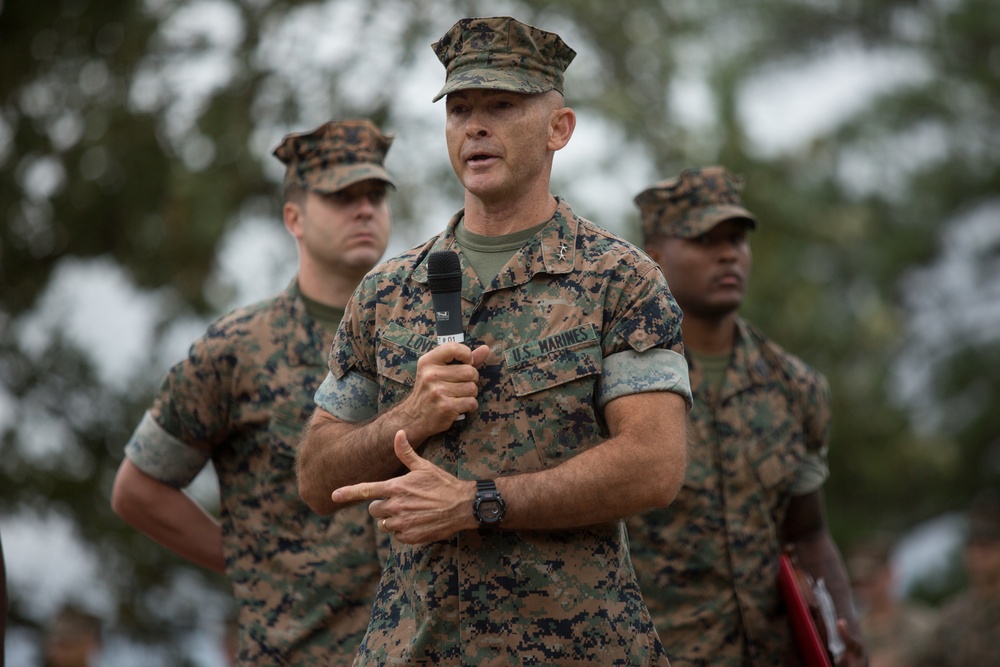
444, 271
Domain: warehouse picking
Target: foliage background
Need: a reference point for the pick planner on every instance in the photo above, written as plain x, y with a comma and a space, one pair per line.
139, 201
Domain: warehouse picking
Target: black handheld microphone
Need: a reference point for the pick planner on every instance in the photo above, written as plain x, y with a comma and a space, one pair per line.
444, 277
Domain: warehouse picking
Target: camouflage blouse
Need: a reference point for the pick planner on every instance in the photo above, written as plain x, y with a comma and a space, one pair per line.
708, 563
576, 318
303, 583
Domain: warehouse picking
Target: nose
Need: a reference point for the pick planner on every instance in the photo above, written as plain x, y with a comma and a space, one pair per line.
365, 206
475, 127
728, 250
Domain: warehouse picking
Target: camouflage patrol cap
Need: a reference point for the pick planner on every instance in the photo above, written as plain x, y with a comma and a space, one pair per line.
335, 155
692, 203
501, 53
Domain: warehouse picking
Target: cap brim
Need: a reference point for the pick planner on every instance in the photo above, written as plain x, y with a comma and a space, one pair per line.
711, 216
492, 79
338, 178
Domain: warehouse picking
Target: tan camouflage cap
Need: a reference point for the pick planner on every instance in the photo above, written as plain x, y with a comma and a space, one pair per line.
335, 155
501, 53
691, 204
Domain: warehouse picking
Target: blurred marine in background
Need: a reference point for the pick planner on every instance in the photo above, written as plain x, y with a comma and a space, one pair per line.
303, 583
708, 563
73, 638
895, 630
967, 635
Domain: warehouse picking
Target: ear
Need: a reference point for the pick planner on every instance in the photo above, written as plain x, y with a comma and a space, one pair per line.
292, 213
562, 122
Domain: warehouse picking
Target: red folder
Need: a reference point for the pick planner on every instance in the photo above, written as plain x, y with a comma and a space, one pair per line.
796, 590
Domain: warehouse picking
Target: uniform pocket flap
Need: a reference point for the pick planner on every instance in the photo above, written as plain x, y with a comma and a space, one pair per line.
554, 360
398, 352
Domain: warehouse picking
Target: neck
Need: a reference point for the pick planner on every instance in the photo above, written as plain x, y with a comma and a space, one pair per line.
709, 336
331, 288
496, 218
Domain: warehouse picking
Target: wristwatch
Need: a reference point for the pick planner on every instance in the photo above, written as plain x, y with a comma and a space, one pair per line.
488, 507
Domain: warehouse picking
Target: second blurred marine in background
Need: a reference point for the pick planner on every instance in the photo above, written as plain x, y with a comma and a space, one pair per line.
894, 629
708, 563
72, 638
966, 635
303, 583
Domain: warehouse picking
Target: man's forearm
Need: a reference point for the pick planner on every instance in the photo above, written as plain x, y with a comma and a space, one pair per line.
640, 467
335, 453
168, 516
820, 557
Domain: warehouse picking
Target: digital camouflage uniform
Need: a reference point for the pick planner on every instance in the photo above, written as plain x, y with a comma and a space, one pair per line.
966, 635
303, 583
894, 630
576, 318
898, 640
708, 563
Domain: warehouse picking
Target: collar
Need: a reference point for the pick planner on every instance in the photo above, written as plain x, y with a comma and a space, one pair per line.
748, 366
309, 343
552, 250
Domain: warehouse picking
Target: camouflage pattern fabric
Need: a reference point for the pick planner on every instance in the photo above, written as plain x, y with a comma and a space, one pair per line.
708, 563
335, 155
573, 307
966, 635
898, 641
501, 53
303, 583
692, 203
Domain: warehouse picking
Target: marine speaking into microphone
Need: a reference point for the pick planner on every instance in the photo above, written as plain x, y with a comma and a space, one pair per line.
444, 277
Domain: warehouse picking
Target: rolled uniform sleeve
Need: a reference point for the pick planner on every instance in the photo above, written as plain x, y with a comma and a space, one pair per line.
630, 372
162, 456
351, 397
350, 390
814, 469
811, 474
644, 349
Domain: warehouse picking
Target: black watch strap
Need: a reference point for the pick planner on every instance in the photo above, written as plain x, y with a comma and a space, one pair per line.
489, 506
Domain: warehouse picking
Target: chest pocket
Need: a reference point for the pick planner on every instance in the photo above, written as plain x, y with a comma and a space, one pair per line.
554, 380
276, 489
396, 362
775, 453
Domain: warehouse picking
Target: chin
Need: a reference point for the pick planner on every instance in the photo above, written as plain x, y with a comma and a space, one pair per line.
361, 261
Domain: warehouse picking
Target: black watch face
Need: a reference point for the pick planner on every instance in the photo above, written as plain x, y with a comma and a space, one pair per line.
489, 511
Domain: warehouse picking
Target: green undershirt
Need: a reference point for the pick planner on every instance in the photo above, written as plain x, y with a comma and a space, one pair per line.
329, 317
713, 368
488, 254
